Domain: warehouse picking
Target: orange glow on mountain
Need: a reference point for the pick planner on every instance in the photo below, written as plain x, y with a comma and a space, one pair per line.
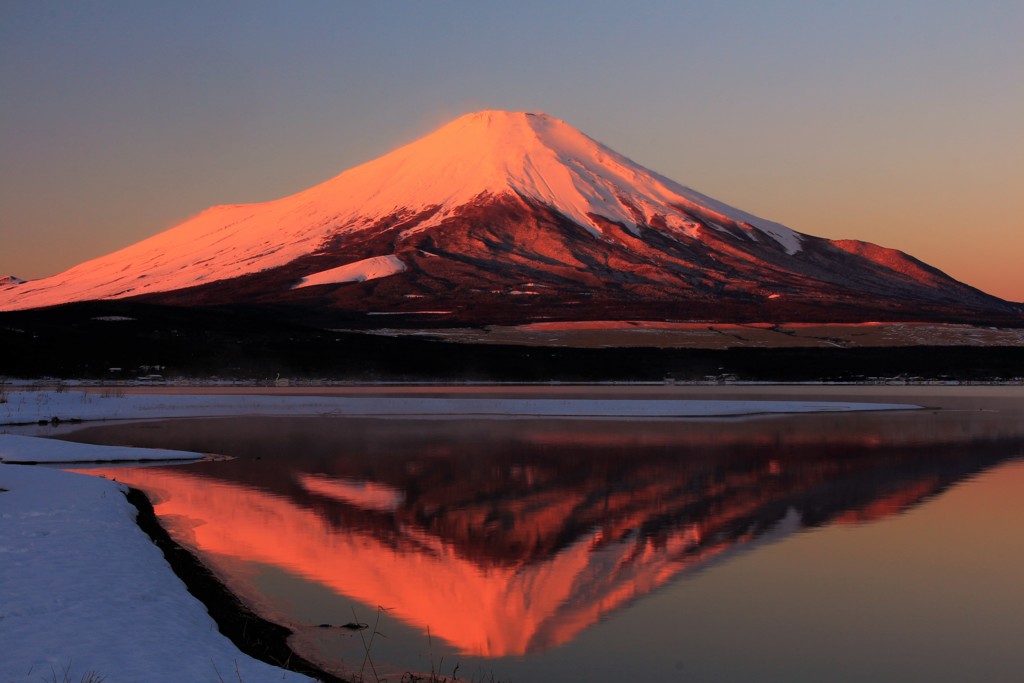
513, 218
485, 154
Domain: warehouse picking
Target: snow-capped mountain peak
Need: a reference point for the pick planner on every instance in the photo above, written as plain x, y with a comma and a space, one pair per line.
533, 155
488, 153
495, 204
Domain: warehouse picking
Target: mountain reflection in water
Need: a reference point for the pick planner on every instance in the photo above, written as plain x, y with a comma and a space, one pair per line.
511, 537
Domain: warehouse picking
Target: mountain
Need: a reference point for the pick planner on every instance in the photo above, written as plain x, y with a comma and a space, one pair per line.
503, 217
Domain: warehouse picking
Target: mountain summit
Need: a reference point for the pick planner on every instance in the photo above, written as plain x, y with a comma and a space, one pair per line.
512, 217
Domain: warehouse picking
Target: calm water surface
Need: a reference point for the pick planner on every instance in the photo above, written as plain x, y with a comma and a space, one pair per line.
874, 547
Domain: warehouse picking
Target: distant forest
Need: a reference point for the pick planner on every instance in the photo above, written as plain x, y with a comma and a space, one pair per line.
116, 340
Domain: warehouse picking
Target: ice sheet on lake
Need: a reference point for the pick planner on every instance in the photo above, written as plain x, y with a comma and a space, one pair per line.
28, 449
27, 407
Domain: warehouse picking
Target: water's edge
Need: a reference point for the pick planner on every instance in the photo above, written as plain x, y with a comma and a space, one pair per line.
253, 635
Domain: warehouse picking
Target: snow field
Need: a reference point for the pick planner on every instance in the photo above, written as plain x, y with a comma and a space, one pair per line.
30, 450
84, 589
359, 271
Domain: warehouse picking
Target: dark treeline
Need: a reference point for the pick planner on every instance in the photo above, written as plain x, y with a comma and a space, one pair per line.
72, 341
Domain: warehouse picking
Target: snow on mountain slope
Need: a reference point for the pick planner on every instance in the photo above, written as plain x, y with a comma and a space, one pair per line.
490, 153
360, 271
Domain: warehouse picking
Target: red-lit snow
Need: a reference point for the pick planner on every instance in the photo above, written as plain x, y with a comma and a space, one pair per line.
490, 152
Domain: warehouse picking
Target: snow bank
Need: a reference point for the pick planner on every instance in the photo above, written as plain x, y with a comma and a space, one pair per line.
85, 589
359, 271
31, 407
28, 449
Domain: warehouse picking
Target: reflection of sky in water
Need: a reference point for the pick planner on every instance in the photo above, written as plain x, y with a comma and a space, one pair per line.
554, 546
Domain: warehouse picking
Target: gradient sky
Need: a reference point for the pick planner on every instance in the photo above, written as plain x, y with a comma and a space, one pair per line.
899, 123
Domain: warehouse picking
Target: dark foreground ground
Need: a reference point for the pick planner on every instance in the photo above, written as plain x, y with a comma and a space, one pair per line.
123, 340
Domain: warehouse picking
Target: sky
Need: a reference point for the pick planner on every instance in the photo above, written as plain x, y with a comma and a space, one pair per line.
895, 122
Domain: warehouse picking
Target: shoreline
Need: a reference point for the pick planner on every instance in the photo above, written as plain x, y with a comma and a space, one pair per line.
251, 633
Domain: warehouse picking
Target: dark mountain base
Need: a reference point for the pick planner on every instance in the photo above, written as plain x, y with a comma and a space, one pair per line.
94, 340
510, 260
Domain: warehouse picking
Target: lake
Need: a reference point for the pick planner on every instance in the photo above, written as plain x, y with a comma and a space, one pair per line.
879, 546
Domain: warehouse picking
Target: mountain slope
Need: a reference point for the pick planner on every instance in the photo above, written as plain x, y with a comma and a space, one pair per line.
503, 216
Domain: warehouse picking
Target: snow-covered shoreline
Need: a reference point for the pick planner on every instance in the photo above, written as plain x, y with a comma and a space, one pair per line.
29, 450
86, 590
